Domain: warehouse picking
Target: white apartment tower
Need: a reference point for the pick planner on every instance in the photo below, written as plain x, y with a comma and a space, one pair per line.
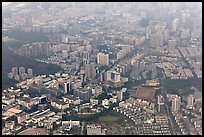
30, 73
176, 102
21, 70
102, 59
190, 101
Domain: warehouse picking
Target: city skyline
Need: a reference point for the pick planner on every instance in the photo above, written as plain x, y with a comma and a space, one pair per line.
102, 68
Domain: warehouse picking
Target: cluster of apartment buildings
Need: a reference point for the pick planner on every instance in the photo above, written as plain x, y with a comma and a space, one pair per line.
20, 74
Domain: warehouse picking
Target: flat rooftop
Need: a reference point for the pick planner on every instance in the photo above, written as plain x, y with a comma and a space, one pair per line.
34, 131
11, 112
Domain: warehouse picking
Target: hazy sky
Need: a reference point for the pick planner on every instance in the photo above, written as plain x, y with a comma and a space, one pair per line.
5, 3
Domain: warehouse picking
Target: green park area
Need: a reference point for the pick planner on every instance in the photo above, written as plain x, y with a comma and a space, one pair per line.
108, 118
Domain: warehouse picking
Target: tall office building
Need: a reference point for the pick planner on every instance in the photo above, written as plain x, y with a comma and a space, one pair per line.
21, 70
176, 102
90, 71
30, 73
102, 59
190, 101
14, 71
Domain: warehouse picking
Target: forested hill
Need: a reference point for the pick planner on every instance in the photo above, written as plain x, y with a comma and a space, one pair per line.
26, 37
10, 59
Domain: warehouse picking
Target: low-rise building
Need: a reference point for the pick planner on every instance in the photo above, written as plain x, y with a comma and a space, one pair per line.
95, 130
59, 104
27, 102
71, 99
8, 100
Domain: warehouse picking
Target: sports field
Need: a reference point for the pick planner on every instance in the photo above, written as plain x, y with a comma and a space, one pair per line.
108, 118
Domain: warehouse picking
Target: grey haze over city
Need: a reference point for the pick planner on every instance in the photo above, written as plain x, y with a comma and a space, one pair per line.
101, 68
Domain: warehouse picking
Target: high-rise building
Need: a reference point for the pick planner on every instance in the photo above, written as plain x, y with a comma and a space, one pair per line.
82, 75
14, 71
103, 76
166, 34
160, 99
160, 103
113, 76
17, 77
21, 70
64, 54
148, 32
172, 43
102, 59
90, 71
35, 49
154, 71
175, 24
160, 39
10, 75
89, 48
76, 84
46, 48
28, 21
30, 73
24, 76
86, 57
175, 104
156, 39
141, 65
120, 95
190, 101
67, 87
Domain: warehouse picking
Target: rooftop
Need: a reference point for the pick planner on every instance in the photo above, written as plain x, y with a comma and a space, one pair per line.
124, 89
11, 112
34, 131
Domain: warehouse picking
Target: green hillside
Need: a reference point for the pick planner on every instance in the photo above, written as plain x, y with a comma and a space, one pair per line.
9, 60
